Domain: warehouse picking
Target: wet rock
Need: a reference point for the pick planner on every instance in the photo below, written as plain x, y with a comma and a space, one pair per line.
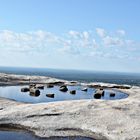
63, 88
35, 91
84, 89
73, 92
97, 96
112, 94
100, 91
25, 89
40, 86
50, 95
50, 85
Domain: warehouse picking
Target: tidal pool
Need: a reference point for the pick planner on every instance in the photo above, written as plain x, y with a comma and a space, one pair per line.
14, 93
21, 135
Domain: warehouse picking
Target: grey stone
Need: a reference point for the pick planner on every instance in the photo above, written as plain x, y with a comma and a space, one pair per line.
50, 95
63, 88
73, 92
24, 89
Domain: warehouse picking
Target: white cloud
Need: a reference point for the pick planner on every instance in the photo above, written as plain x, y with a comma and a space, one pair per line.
74, 43
101, 32
121, 32
113, 41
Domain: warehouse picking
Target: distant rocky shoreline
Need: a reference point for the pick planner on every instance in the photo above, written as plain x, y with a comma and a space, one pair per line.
98, 119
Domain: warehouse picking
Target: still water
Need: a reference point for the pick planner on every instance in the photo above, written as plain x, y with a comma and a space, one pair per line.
21, 135
14, 93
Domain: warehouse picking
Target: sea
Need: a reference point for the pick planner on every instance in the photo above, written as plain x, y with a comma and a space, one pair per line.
78, 75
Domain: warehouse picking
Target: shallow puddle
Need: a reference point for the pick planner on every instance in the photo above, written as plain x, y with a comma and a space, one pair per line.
21, 135
14, 93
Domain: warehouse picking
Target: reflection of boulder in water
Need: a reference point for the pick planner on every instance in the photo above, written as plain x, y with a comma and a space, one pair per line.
73, 92
24, 89
50, 95
63, 88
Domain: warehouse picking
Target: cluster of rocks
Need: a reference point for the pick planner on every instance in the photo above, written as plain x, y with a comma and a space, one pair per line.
34, 90
100, 93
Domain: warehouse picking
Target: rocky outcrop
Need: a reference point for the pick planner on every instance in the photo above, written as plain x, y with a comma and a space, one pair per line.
99, 119
107, 85
12, 79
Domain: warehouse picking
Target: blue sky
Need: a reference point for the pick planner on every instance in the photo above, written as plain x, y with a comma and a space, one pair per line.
71, 34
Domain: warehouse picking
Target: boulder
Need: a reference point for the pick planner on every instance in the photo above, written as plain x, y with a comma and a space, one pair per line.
84, 89
50, 95
100, 91
63, 88
97, 96
25, 89
50, 85
73, 92
35, 91
112, 94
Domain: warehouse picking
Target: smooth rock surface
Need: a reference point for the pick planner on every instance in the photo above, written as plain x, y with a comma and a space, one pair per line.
99, 119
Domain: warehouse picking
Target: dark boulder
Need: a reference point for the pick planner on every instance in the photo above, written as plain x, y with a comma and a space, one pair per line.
25, 89
63, 88
112, 94
73, 92
97, 96
50, 95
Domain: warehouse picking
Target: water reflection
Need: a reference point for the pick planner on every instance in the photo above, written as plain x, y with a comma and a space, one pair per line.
54, 94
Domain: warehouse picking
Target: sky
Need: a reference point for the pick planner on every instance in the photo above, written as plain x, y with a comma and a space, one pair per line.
97, 35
